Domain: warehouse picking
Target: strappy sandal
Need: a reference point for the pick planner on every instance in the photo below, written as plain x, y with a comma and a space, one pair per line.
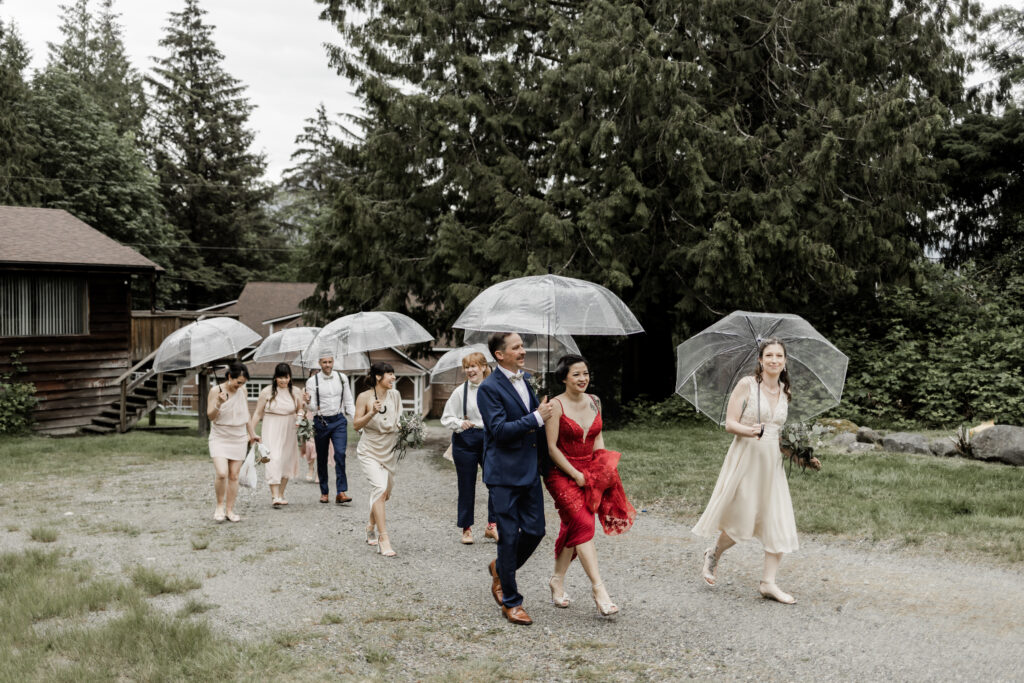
606, 609
561, 601
371, 535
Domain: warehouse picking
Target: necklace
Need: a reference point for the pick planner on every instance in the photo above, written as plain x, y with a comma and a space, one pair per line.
772, 393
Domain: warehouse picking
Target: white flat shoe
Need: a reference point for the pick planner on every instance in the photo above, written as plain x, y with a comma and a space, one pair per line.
771, 591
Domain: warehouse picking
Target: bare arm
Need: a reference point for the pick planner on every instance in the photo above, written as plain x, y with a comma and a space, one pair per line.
261, 409
366, 408
735, 410
599, 441
214, 400
551, 431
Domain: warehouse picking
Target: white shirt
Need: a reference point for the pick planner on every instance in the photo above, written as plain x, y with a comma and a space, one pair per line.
452, 417
524, 393
335, 395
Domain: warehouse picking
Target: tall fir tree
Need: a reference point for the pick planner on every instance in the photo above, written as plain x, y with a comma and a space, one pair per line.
694, 157
211, 180
20, 181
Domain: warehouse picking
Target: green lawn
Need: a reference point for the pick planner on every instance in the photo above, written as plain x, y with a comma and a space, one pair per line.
945, 503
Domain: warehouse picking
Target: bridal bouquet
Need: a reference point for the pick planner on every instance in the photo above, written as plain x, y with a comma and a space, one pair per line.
798, 442
410, 433
304, 431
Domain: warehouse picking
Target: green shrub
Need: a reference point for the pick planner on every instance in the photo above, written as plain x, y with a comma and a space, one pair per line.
947, 352
17, 399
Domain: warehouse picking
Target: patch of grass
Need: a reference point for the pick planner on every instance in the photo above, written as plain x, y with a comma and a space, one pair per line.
329, 618
200, 542
378, 657
287, 639
124, 528
331, 597
13, 527
153, 582
878, 496
194, 606
43, 534
278, 548
388, 616
35, 586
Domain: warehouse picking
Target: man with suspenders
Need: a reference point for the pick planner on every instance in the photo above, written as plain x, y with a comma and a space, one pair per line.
330, 398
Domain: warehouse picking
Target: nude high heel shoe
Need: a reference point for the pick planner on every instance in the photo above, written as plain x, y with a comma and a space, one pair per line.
558, 597
606, 609
771, 591
710, 570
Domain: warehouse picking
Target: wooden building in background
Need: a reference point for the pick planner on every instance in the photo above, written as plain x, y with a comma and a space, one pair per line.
65, 312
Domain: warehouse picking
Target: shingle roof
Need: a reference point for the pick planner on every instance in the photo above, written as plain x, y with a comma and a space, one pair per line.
55, 237
261, 301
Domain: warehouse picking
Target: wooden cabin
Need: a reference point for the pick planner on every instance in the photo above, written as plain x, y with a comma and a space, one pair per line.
65, 313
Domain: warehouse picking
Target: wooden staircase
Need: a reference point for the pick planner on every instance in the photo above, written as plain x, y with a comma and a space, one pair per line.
142, 391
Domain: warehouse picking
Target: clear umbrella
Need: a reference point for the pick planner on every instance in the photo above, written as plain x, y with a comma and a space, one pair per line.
202, 342
448, 368
366, 331
709, 364
285, 345
548, 305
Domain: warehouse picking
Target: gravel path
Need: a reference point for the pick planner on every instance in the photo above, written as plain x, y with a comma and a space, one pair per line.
303, 578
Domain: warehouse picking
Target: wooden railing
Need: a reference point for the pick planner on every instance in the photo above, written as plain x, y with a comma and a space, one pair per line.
128, 385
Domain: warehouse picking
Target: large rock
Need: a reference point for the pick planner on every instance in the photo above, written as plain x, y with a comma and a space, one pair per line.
838, 425
868, 435
1002, 443
861, 447
943, 447
906, 442
842, 441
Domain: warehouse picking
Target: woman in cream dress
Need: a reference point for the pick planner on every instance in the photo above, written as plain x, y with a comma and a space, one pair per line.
751, 498
230, 434
377, 413
280, 406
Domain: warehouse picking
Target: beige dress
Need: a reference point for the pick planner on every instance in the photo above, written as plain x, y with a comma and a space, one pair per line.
280, 435
376, 446
228, 436
751, 498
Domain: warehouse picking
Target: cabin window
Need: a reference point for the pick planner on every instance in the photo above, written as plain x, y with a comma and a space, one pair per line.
253, 388
43, 305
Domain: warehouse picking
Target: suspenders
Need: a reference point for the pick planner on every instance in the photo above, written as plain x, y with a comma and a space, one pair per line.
341, 402
465, 398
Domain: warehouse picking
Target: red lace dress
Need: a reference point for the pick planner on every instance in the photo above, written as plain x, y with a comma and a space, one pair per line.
602, 493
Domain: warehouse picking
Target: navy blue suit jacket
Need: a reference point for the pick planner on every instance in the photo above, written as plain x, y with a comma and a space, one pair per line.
513, 443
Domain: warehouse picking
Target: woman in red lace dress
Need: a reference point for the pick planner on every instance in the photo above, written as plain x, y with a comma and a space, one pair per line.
584, 482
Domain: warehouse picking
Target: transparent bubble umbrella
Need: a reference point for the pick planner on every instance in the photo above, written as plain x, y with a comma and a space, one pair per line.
201, 342
709, 364
366, 331
448, 369
285, 345
548, 304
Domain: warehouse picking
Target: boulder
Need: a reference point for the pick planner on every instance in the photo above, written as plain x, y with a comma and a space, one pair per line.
1001, 443
906, 442
842, 441
943, 447
868, 435
860, 447
837, 425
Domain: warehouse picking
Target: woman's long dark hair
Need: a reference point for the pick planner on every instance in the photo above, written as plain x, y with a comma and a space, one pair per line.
378, 369
784, 376
280, 370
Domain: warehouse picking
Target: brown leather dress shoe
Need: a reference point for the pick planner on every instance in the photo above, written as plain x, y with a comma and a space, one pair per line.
517, 615
495, 583
325, 498
342, 498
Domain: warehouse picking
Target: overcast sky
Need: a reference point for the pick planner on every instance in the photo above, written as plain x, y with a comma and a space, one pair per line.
275, 47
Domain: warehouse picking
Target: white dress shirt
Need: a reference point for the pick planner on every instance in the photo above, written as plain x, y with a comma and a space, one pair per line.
524, 393
452, 417
335, 395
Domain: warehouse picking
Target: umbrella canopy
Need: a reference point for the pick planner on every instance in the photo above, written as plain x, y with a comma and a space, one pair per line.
202, 342
285, 345
709, 364
548, 304
367, 331
543, 347
349, 362
448, 368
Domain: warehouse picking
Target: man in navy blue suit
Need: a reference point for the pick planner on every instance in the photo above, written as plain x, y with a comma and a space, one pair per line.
514, 443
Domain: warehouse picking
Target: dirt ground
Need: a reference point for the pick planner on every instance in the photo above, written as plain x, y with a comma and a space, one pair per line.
303, 579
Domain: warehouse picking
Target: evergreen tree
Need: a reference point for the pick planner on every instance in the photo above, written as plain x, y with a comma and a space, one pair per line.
93, 51
19, 151
211, 181
694, 157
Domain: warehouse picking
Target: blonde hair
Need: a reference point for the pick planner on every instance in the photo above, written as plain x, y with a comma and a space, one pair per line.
477, 358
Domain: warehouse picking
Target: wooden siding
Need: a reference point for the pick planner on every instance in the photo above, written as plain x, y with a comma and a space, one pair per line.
75, 375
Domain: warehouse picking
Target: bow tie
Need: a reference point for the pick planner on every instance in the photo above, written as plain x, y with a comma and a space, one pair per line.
518, 377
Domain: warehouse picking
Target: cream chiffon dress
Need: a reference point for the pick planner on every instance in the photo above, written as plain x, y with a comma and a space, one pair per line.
751, 498
280, 435
375, 449
229, 437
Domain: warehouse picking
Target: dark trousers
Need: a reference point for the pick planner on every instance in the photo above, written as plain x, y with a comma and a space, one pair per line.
468, 454
520, 515
327, 431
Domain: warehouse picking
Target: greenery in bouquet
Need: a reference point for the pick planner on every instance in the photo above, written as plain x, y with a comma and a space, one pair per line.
536, 381
798, 441
304, 431
410, 433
